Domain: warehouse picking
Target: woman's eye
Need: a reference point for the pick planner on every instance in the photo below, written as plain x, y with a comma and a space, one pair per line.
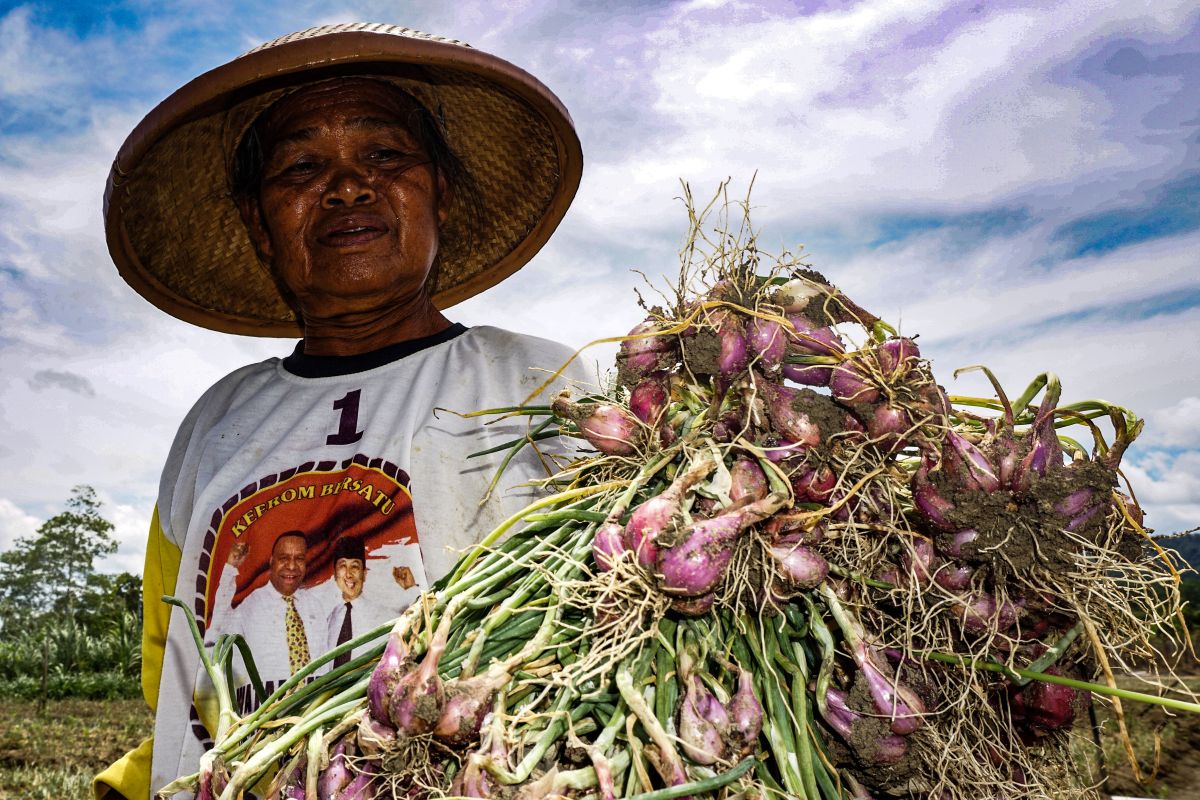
299, 167
385, 154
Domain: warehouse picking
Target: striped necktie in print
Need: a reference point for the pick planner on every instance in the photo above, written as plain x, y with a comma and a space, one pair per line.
296, 640
345, 633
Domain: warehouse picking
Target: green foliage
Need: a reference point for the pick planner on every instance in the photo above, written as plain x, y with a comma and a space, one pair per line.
61, 619
83, 685
70, 648
50, 570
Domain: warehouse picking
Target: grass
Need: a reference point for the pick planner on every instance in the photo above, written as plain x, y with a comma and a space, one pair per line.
53, 755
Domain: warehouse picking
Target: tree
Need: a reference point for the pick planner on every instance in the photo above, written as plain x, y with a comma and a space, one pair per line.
51, 570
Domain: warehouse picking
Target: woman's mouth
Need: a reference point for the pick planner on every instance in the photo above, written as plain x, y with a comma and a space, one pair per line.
351, 231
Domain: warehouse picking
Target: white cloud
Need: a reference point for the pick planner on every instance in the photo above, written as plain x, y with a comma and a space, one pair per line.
1177, 425
1168, 487
841, 118
15, 523
30, 62
130, 526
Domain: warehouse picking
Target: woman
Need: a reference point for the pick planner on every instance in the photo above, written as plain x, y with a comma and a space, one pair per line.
346, 183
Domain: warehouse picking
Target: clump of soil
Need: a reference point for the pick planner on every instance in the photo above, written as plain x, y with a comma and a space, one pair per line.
1019, 532
702, 352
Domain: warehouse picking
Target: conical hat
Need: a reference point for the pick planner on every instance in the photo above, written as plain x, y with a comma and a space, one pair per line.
176, 235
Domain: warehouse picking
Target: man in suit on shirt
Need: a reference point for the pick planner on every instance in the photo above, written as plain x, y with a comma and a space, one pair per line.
351, 615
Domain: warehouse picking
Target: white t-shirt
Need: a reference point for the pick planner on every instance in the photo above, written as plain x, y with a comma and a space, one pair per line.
364, 446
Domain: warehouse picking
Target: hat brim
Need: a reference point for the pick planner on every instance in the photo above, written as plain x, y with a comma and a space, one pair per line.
174, 231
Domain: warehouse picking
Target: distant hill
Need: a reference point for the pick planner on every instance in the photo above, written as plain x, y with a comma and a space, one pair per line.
1187, 546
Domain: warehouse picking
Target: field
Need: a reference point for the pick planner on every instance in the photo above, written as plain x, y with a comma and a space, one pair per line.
52, 755
1178, 776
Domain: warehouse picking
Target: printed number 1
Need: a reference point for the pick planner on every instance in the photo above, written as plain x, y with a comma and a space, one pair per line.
348, 432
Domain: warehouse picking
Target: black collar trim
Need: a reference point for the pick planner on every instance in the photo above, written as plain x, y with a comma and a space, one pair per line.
303, 365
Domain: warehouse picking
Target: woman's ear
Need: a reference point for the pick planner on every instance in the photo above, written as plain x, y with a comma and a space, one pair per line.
251, 214
445, 197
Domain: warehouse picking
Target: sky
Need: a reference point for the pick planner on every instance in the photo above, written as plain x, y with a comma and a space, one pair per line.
1017, 183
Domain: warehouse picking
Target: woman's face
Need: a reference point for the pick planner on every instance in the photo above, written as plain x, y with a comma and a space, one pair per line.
349, 206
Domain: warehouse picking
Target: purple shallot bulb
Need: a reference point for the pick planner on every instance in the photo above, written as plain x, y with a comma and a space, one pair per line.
887, 749
697, 564
783, 448
374, 737
807, 339
931, 505
1075, 502
607, 545
894, 700
735, 356
802, 566
1050, 706
979, 612
976, 611
959, 545
703, 723
660, 515
953, 576
767, 341
416, 704
745, 716
468, 701
387, 674
473, 780
851, 384
335, 777
897, 357
749, 482
1081, 506
648, 400
815, 484
918, 559
969, 466
837, 713
362, 786
640, 356
1045, 451
789, 411
1005, 454
808, 374
887, 425
609, 428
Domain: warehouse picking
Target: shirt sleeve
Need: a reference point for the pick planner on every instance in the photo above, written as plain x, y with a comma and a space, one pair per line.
129, 777
225, 618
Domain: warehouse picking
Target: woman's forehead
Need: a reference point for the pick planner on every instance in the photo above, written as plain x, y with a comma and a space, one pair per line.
354, 101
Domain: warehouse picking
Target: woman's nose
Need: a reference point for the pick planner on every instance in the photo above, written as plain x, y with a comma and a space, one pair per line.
348, 186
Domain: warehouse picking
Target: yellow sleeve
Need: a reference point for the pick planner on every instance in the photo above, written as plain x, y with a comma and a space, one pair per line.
130, 776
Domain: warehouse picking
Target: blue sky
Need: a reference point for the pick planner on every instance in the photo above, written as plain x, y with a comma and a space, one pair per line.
1019, 183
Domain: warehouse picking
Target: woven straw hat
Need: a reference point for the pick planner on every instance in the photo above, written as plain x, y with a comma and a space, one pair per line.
176, 235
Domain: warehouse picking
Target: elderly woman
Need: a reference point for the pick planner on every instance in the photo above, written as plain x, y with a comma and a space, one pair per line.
345, 183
